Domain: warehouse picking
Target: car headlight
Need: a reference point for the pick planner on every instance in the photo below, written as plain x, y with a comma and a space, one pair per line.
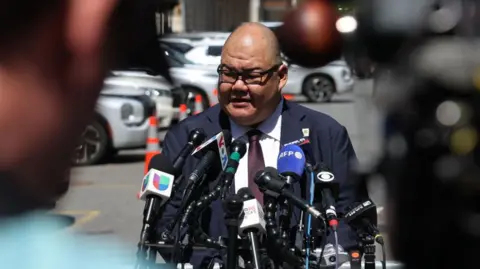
152, 92
131, 115
346, 74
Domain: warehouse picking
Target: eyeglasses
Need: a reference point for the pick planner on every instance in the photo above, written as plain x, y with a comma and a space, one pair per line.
228, 75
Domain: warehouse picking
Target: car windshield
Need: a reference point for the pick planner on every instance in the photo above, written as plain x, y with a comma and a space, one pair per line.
181, 47
177, 55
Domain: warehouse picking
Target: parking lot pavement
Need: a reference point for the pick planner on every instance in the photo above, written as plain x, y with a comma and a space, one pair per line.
103, 197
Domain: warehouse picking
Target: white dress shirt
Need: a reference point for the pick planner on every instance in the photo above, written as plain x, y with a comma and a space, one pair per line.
269, 141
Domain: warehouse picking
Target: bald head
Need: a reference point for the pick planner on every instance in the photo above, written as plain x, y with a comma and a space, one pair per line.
252, 37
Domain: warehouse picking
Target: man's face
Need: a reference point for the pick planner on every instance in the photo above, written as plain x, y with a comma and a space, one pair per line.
250, 82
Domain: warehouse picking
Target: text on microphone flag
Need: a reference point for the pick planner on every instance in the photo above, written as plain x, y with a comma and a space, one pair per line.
222, 150
297, 154
206, 143
299, 142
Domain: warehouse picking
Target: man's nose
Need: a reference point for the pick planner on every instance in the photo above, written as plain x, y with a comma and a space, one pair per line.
239, 85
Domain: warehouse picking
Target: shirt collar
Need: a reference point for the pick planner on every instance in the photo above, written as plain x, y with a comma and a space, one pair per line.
272, 126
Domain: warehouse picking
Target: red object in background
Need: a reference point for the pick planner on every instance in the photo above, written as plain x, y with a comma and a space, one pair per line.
308, 36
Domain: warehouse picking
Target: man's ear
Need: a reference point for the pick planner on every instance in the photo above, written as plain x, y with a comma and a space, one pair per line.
283, 75
87, 24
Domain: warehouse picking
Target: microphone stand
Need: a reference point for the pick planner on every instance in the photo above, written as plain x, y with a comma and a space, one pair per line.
285, 217
233, 206
273, 236
368, 243
146, 257
252, 237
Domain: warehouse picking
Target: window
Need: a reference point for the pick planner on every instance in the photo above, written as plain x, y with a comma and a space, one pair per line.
214, 51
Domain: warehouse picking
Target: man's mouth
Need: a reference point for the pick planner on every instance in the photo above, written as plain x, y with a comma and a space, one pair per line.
240, 100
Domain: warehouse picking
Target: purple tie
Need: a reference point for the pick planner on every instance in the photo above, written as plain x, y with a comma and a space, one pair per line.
255, 162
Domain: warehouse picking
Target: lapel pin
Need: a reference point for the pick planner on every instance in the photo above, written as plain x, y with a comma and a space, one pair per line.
306, 132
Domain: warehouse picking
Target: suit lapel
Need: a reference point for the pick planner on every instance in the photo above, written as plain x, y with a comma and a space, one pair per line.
292, 122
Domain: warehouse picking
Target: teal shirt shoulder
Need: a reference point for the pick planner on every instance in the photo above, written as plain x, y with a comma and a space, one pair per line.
38, 241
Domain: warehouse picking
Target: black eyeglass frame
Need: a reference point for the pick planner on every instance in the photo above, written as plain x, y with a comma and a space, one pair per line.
247, 74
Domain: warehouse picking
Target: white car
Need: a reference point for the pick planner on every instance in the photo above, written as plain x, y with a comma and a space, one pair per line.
120, 122
206, 52
194, 79
156, 87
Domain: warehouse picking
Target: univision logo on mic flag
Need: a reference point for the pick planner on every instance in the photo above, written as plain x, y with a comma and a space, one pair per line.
161, 182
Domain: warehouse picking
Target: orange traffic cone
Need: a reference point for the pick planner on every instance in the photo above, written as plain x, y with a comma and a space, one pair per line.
288, 97
183, 112
198, 105
153, 143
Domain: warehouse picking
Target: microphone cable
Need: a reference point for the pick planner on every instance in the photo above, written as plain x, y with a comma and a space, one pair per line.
309, 221
309, 225
384, 253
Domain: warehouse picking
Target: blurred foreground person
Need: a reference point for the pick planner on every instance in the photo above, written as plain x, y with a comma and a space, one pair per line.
53, 59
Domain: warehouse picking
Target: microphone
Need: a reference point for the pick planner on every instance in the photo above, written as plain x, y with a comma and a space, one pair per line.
360, 218
155, 191
327, 187
238, 149
195, 138
269, 182
253, 223
290, 165
215, 147
209, 151
232, 207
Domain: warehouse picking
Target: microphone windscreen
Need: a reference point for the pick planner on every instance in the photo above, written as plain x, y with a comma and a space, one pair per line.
269, 170
162, 163
245, 193
291, 160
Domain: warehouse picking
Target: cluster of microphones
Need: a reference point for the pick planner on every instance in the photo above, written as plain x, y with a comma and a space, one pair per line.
263, 232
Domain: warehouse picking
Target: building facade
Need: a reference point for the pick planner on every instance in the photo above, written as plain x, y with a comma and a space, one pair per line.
224, 15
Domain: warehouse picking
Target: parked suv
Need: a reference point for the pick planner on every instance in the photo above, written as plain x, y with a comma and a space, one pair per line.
156, 87
120, 122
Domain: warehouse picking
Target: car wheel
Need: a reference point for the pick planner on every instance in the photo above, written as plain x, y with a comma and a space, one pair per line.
93, 145
318, 88
190, 99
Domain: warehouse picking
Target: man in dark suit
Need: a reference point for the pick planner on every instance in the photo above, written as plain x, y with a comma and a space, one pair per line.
251, 77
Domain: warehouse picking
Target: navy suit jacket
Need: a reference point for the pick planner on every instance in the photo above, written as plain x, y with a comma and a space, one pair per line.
330, 144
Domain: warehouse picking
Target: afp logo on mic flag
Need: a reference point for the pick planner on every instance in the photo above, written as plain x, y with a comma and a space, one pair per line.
297, 154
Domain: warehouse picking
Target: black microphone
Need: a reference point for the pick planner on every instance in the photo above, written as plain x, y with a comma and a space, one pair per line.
253, 223
156, 189
269, 182
362, 217
290, 165
215, 147
233, 206
195, 138
327, 187
238, 149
